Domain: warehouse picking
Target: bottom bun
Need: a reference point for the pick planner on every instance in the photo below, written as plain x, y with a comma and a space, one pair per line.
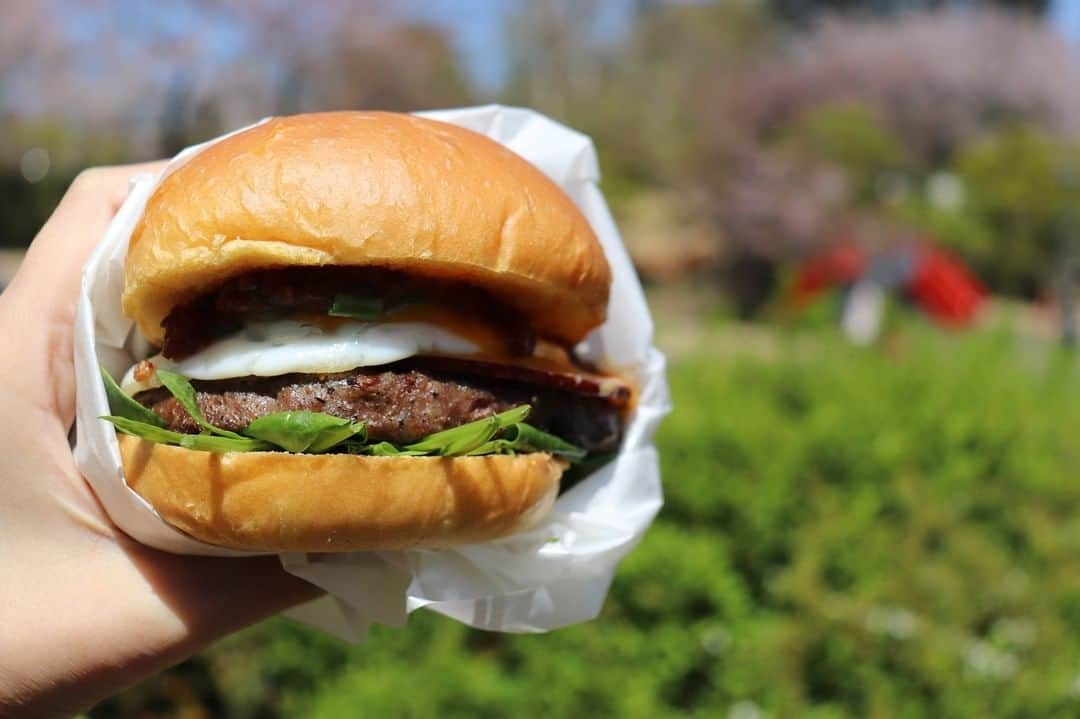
282, 502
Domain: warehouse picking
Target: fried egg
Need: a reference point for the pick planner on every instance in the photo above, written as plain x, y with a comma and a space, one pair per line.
267, 349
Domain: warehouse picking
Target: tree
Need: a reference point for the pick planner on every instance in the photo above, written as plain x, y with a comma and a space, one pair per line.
933, 78
1021, 184
402, 67
804, 10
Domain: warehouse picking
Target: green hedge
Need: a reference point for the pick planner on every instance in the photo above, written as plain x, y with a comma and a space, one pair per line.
848, 533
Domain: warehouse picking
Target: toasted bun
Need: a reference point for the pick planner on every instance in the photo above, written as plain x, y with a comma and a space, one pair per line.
368, 188
281, 502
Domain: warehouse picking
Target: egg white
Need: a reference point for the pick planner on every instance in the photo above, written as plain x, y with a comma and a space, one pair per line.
267, 349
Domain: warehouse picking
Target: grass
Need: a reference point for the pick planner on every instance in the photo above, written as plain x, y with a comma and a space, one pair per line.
891, 532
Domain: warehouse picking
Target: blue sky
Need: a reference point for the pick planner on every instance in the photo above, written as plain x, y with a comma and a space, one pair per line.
1065, 14
478, 29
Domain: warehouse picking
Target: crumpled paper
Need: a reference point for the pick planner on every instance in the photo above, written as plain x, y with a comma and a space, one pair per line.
554, 575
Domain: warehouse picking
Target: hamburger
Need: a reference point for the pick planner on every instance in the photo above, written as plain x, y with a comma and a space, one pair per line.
363, 328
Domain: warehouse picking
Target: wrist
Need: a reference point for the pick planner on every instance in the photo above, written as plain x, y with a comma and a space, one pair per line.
88, 625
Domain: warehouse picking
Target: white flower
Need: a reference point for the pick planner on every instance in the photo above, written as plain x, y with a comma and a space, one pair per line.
715, 641
1019, 631
894, 622
745, 709
987, 661
946, 191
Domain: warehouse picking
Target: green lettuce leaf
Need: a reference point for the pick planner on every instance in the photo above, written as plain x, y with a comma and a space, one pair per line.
304, 431
121, 405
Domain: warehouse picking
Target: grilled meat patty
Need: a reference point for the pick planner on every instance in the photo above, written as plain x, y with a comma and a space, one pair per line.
401, 403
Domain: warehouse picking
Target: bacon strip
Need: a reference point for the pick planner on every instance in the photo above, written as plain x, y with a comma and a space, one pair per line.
612, 389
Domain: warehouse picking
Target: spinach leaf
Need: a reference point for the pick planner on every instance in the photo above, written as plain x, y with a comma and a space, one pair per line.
181, 388
121, 405
356, 307
304, 431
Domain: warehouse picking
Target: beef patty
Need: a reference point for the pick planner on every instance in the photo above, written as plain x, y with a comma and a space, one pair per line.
400, 403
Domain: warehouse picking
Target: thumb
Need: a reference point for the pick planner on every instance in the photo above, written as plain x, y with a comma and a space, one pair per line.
37, 310
53, 264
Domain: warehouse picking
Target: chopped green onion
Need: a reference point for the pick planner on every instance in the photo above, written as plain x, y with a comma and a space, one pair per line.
356, 307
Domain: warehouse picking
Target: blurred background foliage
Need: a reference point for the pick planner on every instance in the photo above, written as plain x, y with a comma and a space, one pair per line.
846, 534
886, 531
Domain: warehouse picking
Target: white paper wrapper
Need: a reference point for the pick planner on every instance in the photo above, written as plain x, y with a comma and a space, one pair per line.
554, 575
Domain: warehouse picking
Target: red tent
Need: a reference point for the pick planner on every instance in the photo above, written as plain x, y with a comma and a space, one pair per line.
839, 265
937, 282
945, 288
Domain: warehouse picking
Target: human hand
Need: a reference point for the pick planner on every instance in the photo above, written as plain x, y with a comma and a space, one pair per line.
84, 609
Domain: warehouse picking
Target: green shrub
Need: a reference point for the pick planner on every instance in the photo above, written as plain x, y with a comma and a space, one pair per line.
848, 533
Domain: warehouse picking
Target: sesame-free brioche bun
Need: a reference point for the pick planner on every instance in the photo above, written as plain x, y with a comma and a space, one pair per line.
368, 188
282, 502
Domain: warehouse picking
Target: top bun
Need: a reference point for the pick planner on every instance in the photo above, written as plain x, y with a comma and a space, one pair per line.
368, 188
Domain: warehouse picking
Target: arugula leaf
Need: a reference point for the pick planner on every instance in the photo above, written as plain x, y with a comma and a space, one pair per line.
523, 437
332, 437
304, 431
514, 415
356, 306
315, 432
495, 446
181, 388
121, 405
388, 449
351, 447
143, 430
467, 437
202, 442
210, 443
